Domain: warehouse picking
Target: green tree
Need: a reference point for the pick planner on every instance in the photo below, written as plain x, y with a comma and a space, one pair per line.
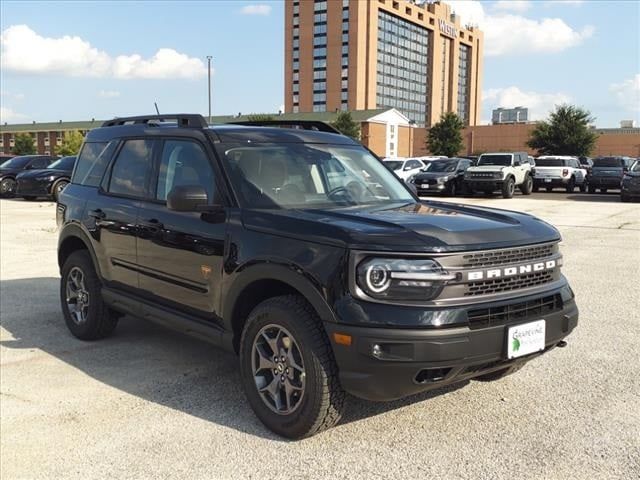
445, 137
566, 132
70, 145
346, 125
260, 117
24, 144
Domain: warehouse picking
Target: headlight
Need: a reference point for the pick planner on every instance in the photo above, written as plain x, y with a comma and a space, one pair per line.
401, 279
442, 180
497, 175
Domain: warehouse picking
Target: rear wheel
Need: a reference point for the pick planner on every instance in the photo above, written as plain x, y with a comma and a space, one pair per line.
58, 188
527, 185
8, 187
85, 313
288, 370
571, 186
508, 188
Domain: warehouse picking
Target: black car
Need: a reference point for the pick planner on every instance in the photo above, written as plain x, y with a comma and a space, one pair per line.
47, 182
607, 173
323, 280
442, 176
9, 169
586, 163
630, 186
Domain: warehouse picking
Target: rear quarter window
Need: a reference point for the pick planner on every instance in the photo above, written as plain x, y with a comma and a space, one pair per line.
92, 163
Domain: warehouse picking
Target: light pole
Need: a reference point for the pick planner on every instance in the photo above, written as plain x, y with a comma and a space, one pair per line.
209, 58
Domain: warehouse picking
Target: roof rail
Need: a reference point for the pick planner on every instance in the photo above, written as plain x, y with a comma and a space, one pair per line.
185, 120
297, 124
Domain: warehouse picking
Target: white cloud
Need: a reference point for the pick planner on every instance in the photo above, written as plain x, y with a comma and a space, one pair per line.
507, 33
260, 9
9, 116
627, 93
11, 95
24, 51
512, 5
108, 94
539, 104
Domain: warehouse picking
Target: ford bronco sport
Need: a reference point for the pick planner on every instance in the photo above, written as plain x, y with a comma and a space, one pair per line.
501, 171
298, 250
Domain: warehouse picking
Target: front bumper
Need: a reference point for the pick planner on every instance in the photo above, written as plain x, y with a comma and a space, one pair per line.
410, 361
435, 188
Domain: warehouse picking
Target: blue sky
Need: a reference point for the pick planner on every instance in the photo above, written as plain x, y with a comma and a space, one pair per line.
81, 60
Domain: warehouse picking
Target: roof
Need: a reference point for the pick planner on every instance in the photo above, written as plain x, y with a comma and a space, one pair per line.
357, 115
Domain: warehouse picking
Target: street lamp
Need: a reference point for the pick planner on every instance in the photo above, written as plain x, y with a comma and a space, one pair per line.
209, 58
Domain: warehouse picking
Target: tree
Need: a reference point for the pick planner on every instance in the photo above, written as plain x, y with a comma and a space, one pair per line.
346, 125
445, 137
71, 144
260, 117
566, 132
24, 144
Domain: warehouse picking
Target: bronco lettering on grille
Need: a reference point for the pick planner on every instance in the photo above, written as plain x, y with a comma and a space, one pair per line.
511, 271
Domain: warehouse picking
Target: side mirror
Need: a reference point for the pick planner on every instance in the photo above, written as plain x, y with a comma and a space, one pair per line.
187, 198
516, 163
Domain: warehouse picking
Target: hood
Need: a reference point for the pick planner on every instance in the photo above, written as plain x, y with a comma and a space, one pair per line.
421, 227
44, 172
486, 168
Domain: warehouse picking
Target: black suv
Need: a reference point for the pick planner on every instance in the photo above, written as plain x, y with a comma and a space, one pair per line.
298, 250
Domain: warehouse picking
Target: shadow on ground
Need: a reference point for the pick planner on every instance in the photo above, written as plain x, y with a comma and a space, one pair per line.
150, 362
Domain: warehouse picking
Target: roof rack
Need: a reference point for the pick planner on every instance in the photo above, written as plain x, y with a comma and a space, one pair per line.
185, 120
297, 124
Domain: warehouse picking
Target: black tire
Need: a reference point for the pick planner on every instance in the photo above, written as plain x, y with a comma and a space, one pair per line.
591, 189
571, 186
497, 375
323, 400
58, 187
583, 187
100, 320
7, 187
603, 190
29, 198
527, 186
452, 190
508, 188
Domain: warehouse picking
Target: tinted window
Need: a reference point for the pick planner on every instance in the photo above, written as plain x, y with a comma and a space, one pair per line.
65, 163
549, 162
92, 162
501, 160
40, 162
441, 166
184, 163
131, 169
16, 162
608, 162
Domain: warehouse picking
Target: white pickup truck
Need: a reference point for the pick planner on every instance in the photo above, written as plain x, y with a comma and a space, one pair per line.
501, 171
559, 171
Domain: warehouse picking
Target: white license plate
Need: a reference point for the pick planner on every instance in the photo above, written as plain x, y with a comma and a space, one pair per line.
525, 339
547, 180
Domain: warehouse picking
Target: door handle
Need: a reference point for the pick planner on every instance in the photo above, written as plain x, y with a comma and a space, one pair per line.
152, 225
98, 214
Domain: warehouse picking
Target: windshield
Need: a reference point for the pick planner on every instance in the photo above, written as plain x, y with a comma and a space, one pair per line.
502, 160
441, 166
394, 164
310, 176
550, 162
64, 163
16, 162
608, 162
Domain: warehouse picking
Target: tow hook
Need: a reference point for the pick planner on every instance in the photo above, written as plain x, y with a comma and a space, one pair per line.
561, 344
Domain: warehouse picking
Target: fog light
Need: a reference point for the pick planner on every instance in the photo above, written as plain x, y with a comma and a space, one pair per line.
376, 351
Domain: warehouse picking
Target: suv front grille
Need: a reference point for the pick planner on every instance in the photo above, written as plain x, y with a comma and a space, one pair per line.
503, 315
507, 256
498, 285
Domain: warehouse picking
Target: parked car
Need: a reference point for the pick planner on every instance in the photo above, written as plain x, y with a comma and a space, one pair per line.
9, 169
501, 171
630, 187
442, 176
587, 163
404, 167
559, 171
607, 173
237, 235
47, 182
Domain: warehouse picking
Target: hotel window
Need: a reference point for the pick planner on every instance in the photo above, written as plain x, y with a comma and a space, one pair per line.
296, 43
345, 3
296, 54
296, 65
345, 83
319, 74
344, 95
320, 18
319, 6
296, 88
320, 29
320, 52
322, 63
296, 21
320, 41
296, 76
446, 52
320, 87
464, 70
321, 107
319, 97
296, 9
295, 99
296, 109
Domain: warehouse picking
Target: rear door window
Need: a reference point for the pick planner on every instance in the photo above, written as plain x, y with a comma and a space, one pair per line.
92, 163
42, 162
132, 168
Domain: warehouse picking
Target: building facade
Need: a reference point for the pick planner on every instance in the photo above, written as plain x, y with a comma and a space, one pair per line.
368, 54
501, 115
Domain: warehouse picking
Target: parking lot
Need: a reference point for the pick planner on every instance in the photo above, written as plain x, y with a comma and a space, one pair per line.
149, 403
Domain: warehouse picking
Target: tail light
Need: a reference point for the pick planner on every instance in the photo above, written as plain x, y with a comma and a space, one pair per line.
565, 172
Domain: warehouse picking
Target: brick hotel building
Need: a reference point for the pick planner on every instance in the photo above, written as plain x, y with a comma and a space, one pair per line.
413, 56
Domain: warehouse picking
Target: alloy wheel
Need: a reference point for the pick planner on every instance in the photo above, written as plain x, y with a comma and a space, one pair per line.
278, 369
8, 185
77, 296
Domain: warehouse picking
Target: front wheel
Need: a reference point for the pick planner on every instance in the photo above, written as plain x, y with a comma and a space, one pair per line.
287, 368
85, 313
7, 187
58, 188
508, 188
527, 186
